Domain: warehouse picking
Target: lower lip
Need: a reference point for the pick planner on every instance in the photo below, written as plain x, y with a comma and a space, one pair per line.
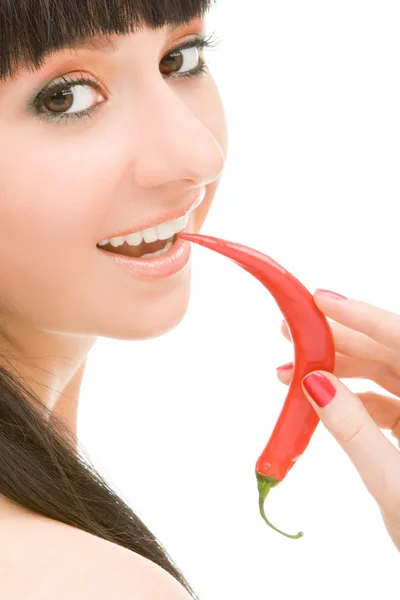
160, 267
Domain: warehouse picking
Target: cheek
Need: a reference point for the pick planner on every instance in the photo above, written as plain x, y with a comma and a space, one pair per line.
48, 194
52, 199
48, 212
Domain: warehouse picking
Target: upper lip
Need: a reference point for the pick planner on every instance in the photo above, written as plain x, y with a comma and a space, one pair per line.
165, 218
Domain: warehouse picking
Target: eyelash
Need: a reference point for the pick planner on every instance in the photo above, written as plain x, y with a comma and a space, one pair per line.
201, 42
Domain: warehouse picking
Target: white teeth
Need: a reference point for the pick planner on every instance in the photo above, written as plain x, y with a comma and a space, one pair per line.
118, 241
180, 224
161, 232
165, 231
150, 235
134, 239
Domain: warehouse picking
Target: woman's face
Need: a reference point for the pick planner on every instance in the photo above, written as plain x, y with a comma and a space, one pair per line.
152, 146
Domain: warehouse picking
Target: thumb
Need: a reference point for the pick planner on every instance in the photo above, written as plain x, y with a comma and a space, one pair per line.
344, 415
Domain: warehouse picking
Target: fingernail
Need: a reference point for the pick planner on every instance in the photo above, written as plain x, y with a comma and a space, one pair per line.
321, 390
331, 294
285, 367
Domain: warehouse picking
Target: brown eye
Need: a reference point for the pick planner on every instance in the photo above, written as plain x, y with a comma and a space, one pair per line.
59, 102
76, 98
187, 58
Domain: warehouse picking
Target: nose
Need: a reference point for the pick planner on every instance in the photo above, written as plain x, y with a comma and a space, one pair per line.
174, 143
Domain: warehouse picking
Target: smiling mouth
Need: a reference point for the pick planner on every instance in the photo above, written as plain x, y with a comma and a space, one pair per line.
144, 249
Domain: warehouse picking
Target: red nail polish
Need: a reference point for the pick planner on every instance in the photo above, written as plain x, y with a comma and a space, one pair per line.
321, 390
285, 367
331, 294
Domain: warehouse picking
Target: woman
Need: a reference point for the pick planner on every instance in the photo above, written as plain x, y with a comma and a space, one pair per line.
113, 140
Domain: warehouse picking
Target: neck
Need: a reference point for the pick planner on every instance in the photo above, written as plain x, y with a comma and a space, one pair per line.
66, 405
52, 365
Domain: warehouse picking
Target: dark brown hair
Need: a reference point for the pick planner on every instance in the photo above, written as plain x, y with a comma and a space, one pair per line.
39, 466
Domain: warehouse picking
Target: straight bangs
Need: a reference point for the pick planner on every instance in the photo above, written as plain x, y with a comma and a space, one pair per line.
31, 29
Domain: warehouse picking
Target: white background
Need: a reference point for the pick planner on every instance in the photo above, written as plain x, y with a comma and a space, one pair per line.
311, 92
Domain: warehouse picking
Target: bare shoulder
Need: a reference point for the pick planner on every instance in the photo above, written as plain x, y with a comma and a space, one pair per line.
42, 559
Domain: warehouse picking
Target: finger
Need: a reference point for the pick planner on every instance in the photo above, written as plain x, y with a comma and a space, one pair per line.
381, 325
353, 343
390, 383
384, 410
344, 415
347, 367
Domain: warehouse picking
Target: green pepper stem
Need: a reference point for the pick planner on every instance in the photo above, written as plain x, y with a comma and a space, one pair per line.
265, 483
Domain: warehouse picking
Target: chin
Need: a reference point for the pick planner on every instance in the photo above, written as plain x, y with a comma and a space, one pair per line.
159, 311
162, 321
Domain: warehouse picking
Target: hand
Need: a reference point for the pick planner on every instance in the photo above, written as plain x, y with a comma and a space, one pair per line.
367, 342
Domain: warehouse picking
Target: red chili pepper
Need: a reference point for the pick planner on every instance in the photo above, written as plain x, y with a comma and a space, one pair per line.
314, 349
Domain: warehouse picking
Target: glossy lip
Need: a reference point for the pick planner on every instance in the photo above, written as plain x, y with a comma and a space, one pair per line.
176, 214
159, 267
